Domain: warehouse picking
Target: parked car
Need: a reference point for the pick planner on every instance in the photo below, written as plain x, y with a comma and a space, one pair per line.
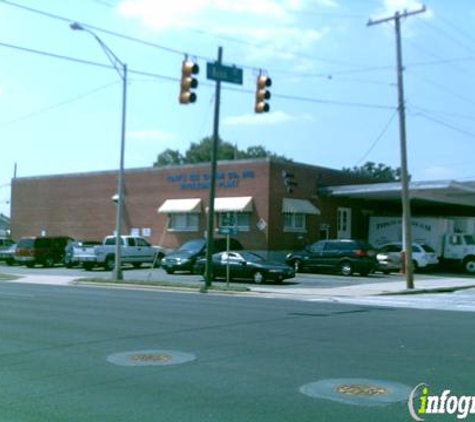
184, 258
390, 259
75, 247
46, 251
7, 255
245, 266
345, 256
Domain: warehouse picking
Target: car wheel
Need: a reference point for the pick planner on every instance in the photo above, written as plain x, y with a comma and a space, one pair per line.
386, 272
137, 265
258, 277
346, 268
110, 263
297, 264
30, 264
158, 260
169, 271
415, 266
469, 265
10, 262
48, 261
364, 273
88, 266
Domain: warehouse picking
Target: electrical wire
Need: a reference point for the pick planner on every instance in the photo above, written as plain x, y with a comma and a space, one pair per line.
445, 124
57, 105
209, 84
179, 52
378, 138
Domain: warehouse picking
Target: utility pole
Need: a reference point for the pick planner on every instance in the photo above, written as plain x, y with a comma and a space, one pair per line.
406, 204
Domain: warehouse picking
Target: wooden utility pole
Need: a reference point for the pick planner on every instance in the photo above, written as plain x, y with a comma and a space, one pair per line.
406, 204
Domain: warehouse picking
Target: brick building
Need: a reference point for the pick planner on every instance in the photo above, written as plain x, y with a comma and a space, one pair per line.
168, 205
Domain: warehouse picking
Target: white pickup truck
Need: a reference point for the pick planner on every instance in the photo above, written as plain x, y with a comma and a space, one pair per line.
135, 250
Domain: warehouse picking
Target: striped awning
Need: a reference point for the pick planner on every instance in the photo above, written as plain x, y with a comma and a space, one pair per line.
236, 203
176, 206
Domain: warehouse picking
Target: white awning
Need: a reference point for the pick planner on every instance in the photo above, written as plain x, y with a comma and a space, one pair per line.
237, 203
299, 206
175, 206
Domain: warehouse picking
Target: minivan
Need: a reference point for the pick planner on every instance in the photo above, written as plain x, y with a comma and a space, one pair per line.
46, 251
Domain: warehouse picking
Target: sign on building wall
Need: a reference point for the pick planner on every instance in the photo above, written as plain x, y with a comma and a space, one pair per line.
200, 180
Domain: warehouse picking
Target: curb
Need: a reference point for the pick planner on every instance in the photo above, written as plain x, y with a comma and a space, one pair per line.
428, 290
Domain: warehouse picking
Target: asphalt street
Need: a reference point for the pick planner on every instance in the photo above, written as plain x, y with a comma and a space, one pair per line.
91, 354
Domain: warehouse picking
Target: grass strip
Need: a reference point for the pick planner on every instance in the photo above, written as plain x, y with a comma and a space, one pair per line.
9, 277
215, 287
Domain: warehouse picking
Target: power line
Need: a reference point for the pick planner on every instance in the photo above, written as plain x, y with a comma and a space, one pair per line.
175, 79
57, 105
378, 138
179, 52
445, 124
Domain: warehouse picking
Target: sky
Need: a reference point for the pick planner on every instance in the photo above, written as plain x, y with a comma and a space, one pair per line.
334, 83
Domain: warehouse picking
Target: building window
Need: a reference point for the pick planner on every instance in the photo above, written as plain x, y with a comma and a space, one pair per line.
184, 222
238, 220
294, 222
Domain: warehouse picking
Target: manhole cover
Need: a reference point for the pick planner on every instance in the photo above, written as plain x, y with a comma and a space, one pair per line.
150, 358
362, 392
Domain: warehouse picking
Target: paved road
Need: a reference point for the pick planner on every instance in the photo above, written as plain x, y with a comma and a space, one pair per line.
60, 356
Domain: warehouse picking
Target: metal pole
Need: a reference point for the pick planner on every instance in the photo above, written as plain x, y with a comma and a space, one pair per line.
212, 185
118, 65
117, 273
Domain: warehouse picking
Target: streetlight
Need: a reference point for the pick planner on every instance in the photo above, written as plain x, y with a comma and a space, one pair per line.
122, 71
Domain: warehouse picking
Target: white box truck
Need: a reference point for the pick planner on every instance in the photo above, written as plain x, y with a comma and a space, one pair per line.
444, 235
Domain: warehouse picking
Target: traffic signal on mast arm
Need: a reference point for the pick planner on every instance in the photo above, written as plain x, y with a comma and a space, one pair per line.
262, 93
188, 82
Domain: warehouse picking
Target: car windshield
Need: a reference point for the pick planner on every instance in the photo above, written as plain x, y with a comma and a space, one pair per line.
469, 240
251, 257
192, 245
26, 243
428, 248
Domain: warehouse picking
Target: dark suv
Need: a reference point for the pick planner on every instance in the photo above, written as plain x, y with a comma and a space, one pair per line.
343, 256
46, 251
184, 258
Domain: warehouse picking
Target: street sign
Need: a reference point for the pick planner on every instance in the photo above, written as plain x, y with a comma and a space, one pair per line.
218, 72
230, 231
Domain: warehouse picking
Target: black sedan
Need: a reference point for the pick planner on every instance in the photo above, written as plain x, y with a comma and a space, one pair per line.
245, 265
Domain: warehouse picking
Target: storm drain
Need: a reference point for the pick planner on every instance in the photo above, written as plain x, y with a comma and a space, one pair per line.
358, 391
150, 358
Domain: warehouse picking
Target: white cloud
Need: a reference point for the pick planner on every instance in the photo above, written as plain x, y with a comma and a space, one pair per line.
152, 135
162, 15
277, 117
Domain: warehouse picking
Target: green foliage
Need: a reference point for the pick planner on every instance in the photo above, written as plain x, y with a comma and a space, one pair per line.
200, 152
380, 172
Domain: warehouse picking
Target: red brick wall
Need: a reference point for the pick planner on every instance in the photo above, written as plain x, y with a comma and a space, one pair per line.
80, 205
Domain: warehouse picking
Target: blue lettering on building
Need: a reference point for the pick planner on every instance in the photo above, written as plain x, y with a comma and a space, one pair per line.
196, 180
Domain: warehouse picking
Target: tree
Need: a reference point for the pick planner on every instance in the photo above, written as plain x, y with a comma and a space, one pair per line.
169, 157
200, 152
380, 172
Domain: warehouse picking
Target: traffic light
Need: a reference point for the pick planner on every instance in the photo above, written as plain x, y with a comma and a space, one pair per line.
262, 94
188, 82
289, 181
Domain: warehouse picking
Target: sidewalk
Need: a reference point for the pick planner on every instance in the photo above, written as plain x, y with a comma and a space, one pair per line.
436, 285
398, 287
